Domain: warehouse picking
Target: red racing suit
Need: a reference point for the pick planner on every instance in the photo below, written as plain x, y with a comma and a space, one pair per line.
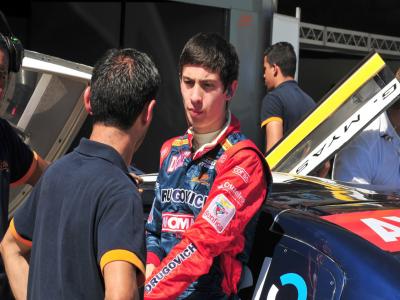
201, 225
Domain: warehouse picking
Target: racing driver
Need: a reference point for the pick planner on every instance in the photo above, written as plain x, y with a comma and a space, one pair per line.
211, 185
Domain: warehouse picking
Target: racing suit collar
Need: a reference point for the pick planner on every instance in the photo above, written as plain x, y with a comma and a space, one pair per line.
231, 125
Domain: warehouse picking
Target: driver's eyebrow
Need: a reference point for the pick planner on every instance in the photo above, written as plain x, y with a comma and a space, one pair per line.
201, 80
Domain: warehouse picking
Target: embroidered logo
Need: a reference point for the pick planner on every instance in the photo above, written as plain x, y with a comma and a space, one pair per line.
231, 189
170, 267
242, 173
177, 161
183, 196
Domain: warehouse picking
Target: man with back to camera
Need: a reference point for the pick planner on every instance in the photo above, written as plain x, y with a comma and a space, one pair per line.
373, 157
18, 163
285, 103
210, 187
83, 223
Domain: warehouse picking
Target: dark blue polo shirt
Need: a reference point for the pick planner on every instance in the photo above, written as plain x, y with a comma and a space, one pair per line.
286, 102
84, 212
15, 161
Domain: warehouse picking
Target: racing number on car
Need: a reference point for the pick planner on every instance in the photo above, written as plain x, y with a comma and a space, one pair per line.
387, 231
380, 227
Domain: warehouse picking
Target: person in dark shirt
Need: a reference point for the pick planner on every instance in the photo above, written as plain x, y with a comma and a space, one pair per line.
18, 163
285, 103
83, 224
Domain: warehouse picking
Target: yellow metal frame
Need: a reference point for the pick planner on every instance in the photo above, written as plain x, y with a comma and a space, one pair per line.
368, 70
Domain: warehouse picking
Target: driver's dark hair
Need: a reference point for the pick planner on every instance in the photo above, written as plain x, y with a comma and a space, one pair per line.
123, 81
212, 52
282, 54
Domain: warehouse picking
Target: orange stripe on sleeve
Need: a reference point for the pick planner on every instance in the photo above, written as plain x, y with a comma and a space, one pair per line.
271, 119
124, 255
28, 174
19, 238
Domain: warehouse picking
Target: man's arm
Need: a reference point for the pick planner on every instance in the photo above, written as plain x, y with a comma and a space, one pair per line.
120, 281
41, 166
271, 117
273, 133
239, 197
15, 257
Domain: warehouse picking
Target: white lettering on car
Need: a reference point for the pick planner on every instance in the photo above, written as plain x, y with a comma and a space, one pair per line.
387, 231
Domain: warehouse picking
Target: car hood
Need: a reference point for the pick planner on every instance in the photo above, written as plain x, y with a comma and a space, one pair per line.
322, 196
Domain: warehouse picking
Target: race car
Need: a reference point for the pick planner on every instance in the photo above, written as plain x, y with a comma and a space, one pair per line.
318, 239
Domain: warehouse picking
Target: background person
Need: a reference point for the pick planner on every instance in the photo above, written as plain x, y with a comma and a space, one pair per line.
83, 224
210, 187
373, 156
18, 163
285, 103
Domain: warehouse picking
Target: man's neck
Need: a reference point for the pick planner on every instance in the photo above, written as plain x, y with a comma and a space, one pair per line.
116, 138
281, 79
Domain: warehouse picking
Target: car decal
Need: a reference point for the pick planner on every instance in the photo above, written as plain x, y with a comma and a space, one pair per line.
348, 129
290, 278
380, 227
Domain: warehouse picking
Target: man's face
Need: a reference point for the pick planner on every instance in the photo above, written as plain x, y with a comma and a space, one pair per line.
269, 74
204, 98
3, 72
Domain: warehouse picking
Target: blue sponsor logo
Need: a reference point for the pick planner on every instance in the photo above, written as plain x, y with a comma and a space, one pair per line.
290, 278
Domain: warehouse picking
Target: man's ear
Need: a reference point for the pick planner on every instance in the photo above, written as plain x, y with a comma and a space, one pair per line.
86, 101
231, 90
277, 70
147, 114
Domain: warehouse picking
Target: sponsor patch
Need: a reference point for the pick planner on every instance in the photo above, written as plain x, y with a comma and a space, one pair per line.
242, 173
169, 267
231, 189
183, 196
175, 222
177, 161
219, 213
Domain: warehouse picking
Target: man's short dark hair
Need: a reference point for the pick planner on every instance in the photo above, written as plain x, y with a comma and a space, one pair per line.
123, 81
282, 54
213, 52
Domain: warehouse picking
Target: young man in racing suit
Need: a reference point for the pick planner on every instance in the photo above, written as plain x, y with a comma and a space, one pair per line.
211, 185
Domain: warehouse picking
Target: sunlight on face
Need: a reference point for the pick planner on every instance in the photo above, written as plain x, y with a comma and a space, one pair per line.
204, 98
